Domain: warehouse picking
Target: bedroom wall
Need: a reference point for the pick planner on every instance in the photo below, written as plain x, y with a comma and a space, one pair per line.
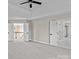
41, 31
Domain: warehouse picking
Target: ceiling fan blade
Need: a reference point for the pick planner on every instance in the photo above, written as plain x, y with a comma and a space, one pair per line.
30, 5
30, 0
36, 2
23, 3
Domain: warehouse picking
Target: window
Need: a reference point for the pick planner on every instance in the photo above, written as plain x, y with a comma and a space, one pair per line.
18, 31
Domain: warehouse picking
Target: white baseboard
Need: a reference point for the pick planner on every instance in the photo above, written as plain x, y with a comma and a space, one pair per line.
40, 42
48, 44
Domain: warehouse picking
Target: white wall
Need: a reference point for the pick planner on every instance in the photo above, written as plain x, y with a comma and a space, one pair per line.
41, 31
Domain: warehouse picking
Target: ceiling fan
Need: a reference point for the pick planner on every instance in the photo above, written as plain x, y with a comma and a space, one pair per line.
31, 1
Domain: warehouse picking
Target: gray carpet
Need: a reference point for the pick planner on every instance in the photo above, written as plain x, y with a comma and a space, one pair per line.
32, 50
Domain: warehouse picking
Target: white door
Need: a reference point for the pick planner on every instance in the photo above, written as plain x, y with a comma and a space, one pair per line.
53, 33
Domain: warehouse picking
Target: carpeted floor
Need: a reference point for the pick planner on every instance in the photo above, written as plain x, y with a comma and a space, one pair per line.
32, 50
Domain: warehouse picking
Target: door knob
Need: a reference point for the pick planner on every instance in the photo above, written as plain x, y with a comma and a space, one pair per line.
50, 34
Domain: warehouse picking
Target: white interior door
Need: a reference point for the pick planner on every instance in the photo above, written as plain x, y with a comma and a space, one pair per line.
53, 33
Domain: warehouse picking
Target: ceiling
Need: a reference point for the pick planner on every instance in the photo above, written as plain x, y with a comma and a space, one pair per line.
48, 7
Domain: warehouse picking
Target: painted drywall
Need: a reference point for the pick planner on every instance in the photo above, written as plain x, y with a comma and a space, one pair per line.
41, 31
17, 12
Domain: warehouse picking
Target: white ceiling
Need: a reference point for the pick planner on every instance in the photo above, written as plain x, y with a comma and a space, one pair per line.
48, 7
